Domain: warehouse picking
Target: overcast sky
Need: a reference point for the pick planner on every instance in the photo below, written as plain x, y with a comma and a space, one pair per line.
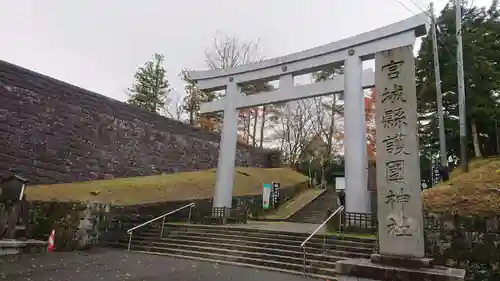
98, 44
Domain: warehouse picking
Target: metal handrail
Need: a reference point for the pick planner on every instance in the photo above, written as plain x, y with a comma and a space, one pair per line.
339, 209
129, 232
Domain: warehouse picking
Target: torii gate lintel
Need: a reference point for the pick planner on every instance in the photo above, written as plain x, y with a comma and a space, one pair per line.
286, 92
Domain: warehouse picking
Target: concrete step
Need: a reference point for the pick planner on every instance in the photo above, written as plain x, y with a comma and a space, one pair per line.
316, 211
315, 247
283, 262
290, 239
311, 219
14, 247
235, 250
296, 235
291, 243
249, 229
218, 261
246, 246
272, 248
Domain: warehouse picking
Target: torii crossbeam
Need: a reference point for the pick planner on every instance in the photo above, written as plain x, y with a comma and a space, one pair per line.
352, 52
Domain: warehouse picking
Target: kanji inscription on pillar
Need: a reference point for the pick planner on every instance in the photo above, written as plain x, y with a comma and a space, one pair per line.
398, 168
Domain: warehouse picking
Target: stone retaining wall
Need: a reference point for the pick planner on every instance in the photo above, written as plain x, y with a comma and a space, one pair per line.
53, 132
80, 225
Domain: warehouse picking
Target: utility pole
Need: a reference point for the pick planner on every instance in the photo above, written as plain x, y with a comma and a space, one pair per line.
439, 95
461, 88
497, 137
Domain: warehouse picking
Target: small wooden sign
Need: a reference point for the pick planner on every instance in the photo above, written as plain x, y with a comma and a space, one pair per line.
12, 188
276, 193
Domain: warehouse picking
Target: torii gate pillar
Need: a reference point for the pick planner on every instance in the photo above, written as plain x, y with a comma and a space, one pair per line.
350, 52
355, 153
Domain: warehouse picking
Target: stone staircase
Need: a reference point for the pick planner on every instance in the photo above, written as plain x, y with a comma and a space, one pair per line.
14, 247
257, 248
316, 211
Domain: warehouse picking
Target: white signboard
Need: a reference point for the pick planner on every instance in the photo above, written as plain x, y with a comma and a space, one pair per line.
340, 183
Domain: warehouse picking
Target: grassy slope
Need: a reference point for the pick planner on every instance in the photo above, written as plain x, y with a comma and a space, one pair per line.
160, 188
474, 193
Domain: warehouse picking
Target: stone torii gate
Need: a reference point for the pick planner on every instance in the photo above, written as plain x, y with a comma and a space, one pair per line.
351, 52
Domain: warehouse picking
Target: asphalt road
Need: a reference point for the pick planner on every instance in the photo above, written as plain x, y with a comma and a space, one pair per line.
111, 264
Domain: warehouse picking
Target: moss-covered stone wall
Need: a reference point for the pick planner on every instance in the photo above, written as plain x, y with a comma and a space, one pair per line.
81, 225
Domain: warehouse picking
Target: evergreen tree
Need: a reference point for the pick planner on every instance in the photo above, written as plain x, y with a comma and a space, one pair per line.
193, 98
481, 41
151, 88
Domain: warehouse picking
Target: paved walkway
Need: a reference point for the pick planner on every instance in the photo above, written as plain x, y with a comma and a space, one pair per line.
110, 264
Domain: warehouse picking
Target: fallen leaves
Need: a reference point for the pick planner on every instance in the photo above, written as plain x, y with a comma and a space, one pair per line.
474, 193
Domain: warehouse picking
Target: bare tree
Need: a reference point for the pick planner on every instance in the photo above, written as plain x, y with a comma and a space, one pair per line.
228, 51
328, 110
179, 110
263, 124
294, 126
327, 114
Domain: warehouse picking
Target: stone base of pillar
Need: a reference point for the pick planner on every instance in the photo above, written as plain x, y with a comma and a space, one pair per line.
401, 261
367, 270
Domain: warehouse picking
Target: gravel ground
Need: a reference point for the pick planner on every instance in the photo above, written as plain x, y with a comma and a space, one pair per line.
110, 264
